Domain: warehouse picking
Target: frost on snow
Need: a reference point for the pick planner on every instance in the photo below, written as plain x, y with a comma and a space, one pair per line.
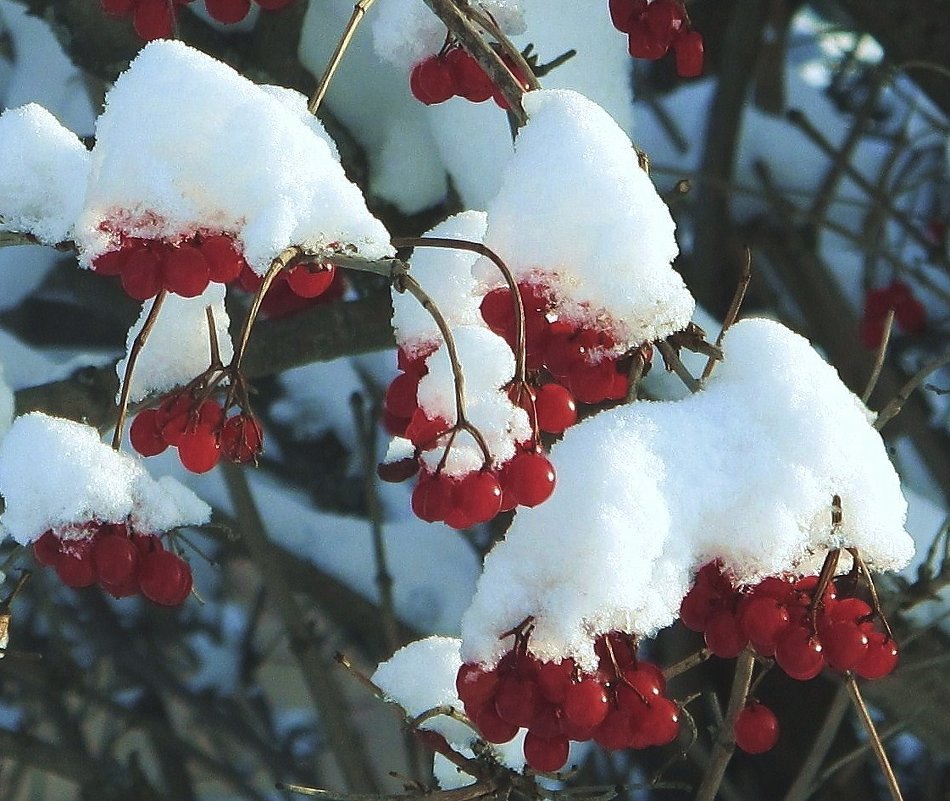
179, 346
222, 154
43, 171
56, 473
577, 212
744, 471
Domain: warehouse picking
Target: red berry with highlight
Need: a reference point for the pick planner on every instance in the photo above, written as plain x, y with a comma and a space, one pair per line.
530, 478
756, 729
545, 755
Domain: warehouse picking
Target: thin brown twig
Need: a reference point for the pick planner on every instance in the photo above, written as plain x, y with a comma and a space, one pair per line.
726, 742
745, 277
876, 745
894, 407
691, 661
879, 356
359, 11
675, 365
137, 344
805, 779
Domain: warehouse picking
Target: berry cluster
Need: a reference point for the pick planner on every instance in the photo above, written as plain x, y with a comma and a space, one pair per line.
121, 560
199, 428
783, 620
909, 313
526, 479
581, 360
621, 705
147, 266
455, 73
654, 27
151, 19
229, 12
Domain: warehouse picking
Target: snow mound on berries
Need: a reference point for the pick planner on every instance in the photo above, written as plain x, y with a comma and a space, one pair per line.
179, 345
446, 277
55, 473
744, 471
487, 364
576, 207
221, 154
406, 31
43, 170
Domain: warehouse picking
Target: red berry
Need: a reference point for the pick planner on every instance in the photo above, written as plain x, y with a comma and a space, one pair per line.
530, 478
164, 578
431, 81
515, 70
224, 261
516, 700
623, 13
799, 654
423, 432
498, 311
663, 20
762, 620
185, 271
660, 725
642, 43
470, 80
554, 678
592, 382
145, 435
585, 703
74, 566
153, 19
398, 471
46, 549
228, 11
475, 685
242, 438
494, 729
475, 499
880, 658
555, 407
111, 263
116, 559
311, 280
142, 274
198, 448
756, 729
615, 731
543, 754
724, 636
400, 400
689, 55
844, 645
432, 497
697, 607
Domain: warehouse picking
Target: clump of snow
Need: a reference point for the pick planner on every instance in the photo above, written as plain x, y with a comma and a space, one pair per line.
576, 208
178, 347
43, 169
487, 364
222, 154
744, 471
56, 473
406, 31
446, 277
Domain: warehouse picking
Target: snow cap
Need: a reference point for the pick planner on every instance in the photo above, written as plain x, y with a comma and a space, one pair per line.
56, 473
222, 154
576, 208
744, 471
43, 171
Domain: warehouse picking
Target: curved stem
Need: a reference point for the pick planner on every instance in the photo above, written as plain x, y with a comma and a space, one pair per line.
876, 745
359, 11
879, 356
488, 253
894, 407
276, 266
410, 284
137, 344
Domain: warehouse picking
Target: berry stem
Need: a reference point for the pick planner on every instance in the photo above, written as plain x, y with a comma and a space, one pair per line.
137, 344
805, 780
876, 745
875, 598
25, 576
828, 569
638, 365
488, 253
879, 356
745, 277
688, 663
897, 403
675, 365
442, 711
409, 284
282, 261
359, 11
213, 340
726, 742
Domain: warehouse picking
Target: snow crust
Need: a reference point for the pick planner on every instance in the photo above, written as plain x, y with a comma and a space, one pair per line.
43, 169
744, 471
267, 173
406, 31
56, 473
576, 208
179, 346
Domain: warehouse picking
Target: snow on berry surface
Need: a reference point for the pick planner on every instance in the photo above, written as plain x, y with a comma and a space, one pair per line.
406, 31
446, 276
58, 474
266, 176
576, 208
743, 471
43, 173
179, 346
